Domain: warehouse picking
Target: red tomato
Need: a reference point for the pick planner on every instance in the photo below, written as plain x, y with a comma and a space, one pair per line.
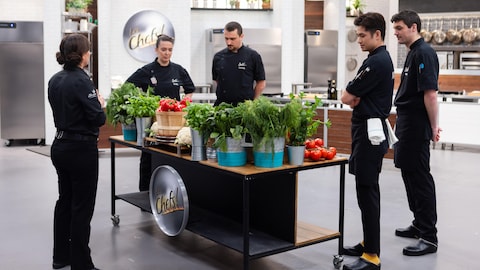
318, 142
330, 155
333, 149
315, 155
306, 153
309, 144
181, 107
185, 101
323, 152
164, 107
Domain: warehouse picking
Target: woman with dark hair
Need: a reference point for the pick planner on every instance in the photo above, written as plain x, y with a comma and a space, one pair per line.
166, 78
78, 114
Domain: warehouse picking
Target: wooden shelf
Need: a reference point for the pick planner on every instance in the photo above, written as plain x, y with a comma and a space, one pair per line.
310, 234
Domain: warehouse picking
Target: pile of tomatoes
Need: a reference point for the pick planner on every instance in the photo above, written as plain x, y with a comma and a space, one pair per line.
172, 105
314, 150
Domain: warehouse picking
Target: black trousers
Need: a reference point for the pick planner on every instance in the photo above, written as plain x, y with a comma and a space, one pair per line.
366, 164
76, 163
413, 158
420, 188
145, 171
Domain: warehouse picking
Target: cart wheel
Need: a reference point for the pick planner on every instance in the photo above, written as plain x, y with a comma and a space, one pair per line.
8, 142
115, 220
337, 261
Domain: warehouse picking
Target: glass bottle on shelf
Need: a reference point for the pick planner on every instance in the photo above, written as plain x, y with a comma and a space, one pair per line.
332, 90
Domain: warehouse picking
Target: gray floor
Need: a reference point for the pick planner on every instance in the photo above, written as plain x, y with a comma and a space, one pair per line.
28, 192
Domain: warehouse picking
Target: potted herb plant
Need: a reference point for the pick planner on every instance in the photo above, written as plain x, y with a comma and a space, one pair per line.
77, 6
300, 125
357, 7
265, 4
143, 107
266, 123
228, 130
116, 110
199, 118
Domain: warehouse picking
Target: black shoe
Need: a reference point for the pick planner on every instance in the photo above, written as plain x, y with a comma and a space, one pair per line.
361, 264
409, 232
356, 250
422, 247
58, 265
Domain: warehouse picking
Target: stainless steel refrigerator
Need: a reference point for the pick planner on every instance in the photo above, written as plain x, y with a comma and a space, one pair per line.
22, 105
267, 42
321, 50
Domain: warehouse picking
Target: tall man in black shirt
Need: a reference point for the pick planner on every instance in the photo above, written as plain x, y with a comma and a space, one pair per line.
236, 68
417, 124
370, 95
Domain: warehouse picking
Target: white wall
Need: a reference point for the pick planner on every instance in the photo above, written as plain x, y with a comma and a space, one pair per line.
21, 10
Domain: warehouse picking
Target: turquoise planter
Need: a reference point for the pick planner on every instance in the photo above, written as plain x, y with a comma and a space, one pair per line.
266, 157
234, 156
129, 132
232, 159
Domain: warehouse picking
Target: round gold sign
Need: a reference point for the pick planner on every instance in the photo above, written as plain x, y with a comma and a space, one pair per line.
141, 31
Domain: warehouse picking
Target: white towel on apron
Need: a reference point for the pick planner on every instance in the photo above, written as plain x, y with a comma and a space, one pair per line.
392, 139
375, 131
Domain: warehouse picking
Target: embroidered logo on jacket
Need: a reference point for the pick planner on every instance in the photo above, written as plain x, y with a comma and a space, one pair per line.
242, 65
92, 94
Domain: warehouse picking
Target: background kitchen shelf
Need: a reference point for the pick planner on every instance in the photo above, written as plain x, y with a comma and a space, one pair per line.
79, 23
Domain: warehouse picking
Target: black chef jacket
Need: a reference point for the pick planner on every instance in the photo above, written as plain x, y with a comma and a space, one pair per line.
166, 81
420, 73
371, 86
235, 74
73, 98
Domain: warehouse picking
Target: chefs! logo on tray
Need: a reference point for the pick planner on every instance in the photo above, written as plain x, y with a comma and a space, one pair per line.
168, 203
141, 31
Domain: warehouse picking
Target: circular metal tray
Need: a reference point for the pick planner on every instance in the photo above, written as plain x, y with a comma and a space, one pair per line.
169, 200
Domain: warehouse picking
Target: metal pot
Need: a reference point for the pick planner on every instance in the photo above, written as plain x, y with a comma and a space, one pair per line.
439, 36
352, 35
469, 35
425, 33
351, 63
453, 35
478, 29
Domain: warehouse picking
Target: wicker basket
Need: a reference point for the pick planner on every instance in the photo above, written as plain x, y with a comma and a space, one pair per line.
169, 123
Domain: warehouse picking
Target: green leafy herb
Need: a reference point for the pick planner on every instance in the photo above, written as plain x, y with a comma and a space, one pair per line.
143, 104
200, 117
301, 121
116, 108
228, 122
79, 4
264, 121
